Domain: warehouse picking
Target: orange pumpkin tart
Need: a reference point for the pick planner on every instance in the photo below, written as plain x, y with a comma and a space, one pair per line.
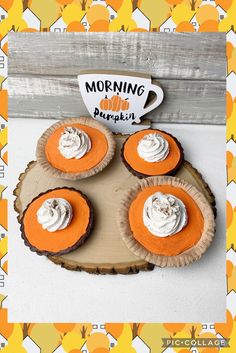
57, 221
166, 221
75, 148
152, 152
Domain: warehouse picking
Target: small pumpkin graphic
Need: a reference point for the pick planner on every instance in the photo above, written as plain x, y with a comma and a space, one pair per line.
125, 104
106, 104
116, 103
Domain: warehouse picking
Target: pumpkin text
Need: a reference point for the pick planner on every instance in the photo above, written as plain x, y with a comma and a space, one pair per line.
115, 117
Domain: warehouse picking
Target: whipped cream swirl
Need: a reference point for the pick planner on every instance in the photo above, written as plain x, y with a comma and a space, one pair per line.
164, 214
55, 214
153, 147
74, 143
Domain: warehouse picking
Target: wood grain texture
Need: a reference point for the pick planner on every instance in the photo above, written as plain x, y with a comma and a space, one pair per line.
54, 97
191, 68
172, 55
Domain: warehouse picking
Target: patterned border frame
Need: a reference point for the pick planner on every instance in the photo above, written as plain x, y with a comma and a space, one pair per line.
118, 15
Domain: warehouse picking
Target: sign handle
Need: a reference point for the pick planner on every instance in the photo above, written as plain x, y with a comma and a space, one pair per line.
157, 100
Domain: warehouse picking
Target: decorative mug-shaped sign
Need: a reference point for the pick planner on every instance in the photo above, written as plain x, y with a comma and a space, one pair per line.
119, 99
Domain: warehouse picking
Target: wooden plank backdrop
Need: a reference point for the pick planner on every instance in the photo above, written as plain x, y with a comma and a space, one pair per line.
191, 67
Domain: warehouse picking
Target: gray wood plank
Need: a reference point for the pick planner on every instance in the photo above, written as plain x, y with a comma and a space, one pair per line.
175, 55
186, 101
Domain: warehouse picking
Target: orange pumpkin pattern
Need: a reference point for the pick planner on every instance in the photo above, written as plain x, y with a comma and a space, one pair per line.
106, 104
116, 103
125, 104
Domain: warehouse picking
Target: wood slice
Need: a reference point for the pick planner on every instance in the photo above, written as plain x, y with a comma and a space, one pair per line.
104, 251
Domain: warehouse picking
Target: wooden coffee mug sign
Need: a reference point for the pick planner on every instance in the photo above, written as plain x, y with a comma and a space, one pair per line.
119, 99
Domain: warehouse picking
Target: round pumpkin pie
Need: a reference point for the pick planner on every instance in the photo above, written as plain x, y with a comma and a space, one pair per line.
166, 221
57, 221
152, 152
75, 148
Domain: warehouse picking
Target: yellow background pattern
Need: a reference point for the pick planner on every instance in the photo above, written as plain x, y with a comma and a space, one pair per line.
118, 15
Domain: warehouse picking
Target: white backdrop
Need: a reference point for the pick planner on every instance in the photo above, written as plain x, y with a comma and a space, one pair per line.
40, 291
